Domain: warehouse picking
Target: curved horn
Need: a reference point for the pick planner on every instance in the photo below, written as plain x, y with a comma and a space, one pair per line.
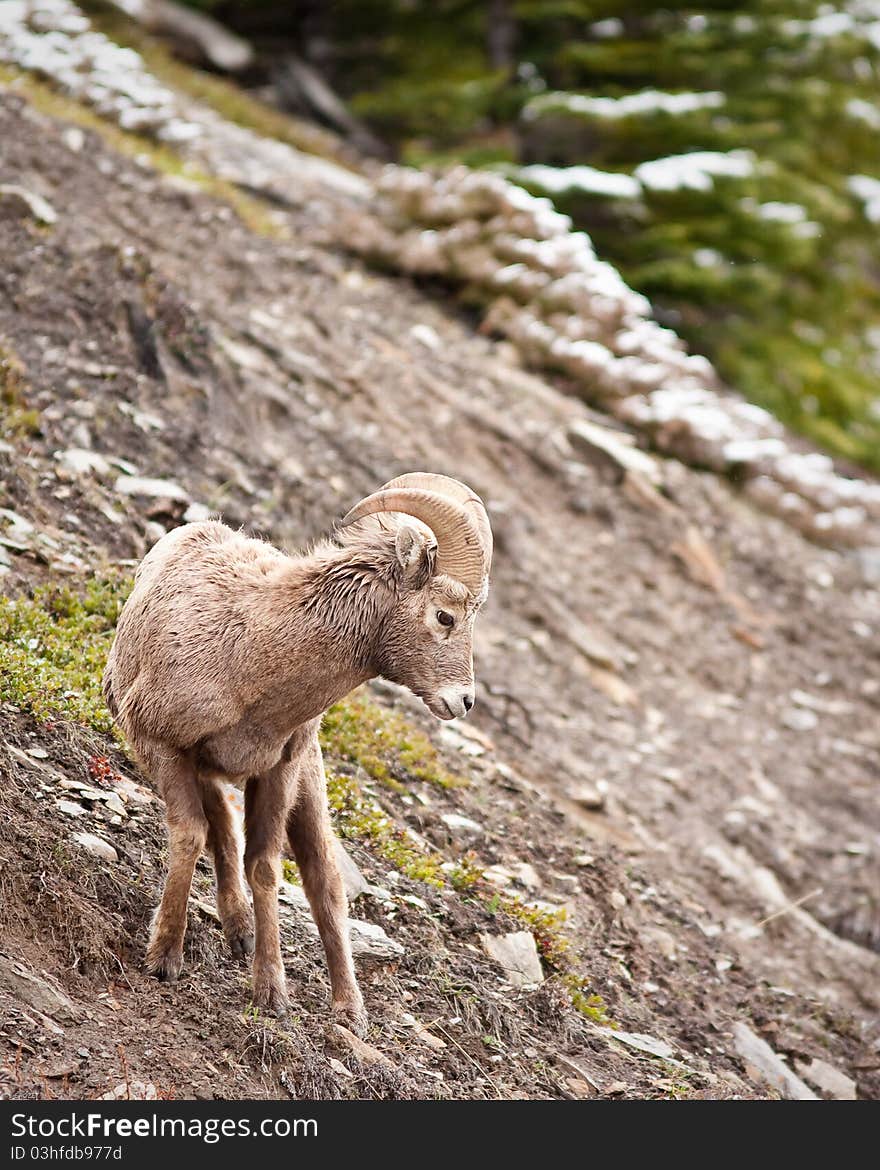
460, 548
454, 489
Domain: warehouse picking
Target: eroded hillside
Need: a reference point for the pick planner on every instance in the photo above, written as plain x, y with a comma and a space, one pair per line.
669, 780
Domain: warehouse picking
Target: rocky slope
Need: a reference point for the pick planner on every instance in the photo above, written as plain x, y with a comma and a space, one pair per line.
722, 156
665, 794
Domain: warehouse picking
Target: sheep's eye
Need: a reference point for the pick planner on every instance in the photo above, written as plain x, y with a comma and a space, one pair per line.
444, 618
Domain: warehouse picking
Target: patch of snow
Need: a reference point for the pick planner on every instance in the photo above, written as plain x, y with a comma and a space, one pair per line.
861, 20
695, 171
647, 101
868, 191
581, 178
864, 111
607, 29
782, 212
708, 258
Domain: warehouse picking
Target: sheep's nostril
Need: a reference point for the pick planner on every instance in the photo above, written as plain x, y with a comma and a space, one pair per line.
468, 701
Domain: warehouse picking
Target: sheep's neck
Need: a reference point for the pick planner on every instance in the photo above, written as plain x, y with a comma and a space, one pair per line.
331, 628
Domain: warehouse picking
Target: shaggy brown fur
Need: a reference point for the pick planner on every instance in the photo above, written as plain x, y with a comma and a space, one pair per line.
226, 655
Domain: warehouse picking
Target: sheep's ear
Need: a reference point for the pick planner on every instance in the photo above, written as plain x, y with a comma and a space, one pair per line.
416, 553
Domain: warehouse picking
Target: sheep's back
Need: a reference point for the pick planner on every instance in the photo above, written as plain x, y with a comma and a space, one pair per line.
185, 660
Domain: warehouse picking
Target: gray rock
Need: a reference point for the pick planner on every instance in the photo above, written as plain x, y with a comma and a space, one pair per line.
614, 450
589, 796
18, 528
458, 739
70, 808
462, 828
642, 1043
368, 941
517, 954
799, 719
151, 489
196, 512
869, 563
86, 792
499, 875
113, 801
131, 1091
36, 991
74, 139
80, 461
828, 1079
763, 1065
354, 881
97, 846
526, 875
20, 202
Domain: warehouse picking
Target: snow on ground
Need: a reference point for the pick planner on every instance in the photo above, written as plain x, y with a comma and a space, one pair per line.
564, 308
559, 179
860, 18
647, 101
868, 191
53, 39
865, 112
695, 171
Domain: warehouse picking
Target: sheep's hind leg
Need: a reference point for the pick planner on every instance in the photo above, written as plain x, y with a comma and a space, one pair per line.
266, 801
311, 840
176, 779
223, 841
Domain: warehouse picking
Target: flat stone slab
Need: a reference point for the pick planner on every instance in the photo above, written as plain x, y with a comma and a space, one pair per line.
517, 954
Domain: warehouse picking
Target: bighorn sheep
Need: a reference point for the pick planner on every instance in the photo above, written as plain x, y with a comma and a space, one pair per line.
227, 654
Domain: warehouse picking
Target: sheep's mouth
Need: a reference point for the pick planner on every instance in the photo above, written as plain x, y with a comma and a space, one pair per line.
438, 707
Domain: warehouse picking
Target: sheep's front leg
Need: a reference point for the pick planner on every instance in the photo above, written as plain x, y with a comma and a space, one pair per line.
187, 834
311, 841
266, 801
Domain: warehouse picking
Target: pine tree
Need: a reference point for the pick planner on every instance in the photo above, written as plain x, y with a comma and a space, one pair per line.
772, 272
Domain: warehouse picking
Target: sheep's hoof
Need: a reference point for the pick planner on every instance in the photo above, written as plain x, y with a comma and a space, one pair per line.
165, 965
352, 1016
270, 996
239, 931
241, 945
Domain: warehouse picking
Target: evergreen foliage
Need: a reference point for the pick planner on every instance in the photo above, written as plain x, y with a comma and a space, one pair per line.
773, 273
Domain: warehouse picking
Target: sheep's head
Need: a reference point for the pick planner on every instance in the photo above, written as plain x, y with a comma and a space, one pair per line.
441, 573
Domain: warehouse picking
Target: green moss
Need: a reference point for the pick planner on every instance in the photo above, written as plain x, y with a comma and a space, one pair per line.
546, 927
360, 817
466, 874
383, 744
588, 1004
252, 212
53, 647
17, 417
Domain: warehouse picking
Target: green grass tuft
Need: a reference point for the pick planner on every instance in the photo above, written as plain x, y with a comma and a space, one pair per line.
17, 417
53, 647
383, 744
